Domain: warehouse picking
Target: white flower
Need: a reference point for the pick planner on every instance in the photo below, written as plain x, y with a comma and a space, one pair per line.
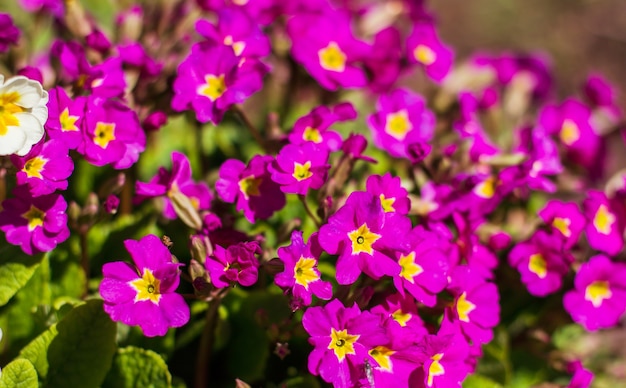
23, 112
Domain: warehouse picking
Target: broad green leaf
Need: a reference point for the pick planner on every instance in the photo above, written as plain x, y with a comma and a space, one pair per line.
81, 353
16, 269
136, 367
37, 351
19, 373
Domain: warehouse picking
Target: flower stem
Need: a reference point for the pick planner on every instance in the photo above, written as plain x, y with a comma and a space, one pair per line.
253, 130
309, 211
84, 259
203, 361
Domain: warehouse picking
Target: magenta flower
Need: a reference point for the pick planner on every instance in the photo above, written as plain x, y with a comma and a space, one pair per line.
235, 264
599, 298
250, 187
541, 262
45, 168
385, 61
581, 377
65, 118
211, 79
325, 45
424, 48
54, 7
605, 226
342, 338
105, 79
365, 238
36, 224
476, 305
443, 357
315, 126
134, 54
112, 134
402, 320
393, 197
301, 277
9, 33
469, 127
543, 158
566, 218
402, 119
168, 183
144, 293
298, 168
237, 29
423, 267
571, 123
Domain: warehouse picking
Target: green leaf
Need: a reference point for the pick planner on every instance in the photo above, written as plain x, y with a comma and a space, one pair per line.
19, 373
81, 353
16, 269
37, 351
136, 367
478, 381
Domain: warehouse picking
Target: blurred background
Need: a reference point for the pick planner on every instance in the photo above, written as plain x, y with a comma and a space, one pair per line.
580, 36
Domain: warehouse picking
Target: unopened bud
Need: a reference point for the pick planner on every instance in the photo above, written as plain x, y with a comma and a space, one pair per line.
185, 210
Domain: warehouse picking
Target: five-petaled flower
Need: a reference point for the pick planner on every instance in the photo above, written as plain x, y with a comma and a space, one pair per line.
143, 293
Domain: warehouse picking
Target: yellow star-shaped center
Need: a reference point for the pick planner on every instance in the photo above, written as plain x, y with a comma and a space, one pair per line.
147, 287
362, 240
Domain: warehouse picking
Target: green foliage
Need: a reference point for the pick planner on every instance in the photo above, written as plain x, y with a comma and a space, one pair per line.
15, 270
81, 353
136, 367
19, 374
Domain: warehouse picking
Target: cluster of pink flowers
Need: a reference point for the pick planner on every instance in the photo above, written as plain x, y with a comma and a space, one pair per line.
423, 240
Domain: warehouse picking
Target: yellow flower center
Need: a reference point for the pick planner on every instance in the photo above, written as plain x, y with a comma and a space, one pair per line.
34, 166
8, 108
424, 55
237, 46
435, 369
382, 355
304, 271
250, 186
409, 269
342, 343
302, 171
464, 307
312, 134
569, 132
387, 203
68, 122
34, 216
537, 265
597, 292
213, 88
104, 134
332, 58
562, 224
363, 239
401, 317
148, 287
398, 124
603, 220
487, 188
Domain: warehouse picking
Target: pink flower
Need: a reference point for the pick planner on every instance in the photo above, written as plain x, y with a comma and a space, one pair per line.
298, 168
565, 218
342, 338
605, 222
315, 126
393, 197
45, 168
599, 298
9, 33
425, 48
144, 293
36, 224
365, 238
250, 187
325, 45
401, 119
211, 79
301, 277
235, 264
65, 117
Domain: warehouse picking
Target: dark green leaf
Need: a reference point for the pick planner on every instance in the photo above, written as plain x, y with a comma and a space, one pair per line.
136, 367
